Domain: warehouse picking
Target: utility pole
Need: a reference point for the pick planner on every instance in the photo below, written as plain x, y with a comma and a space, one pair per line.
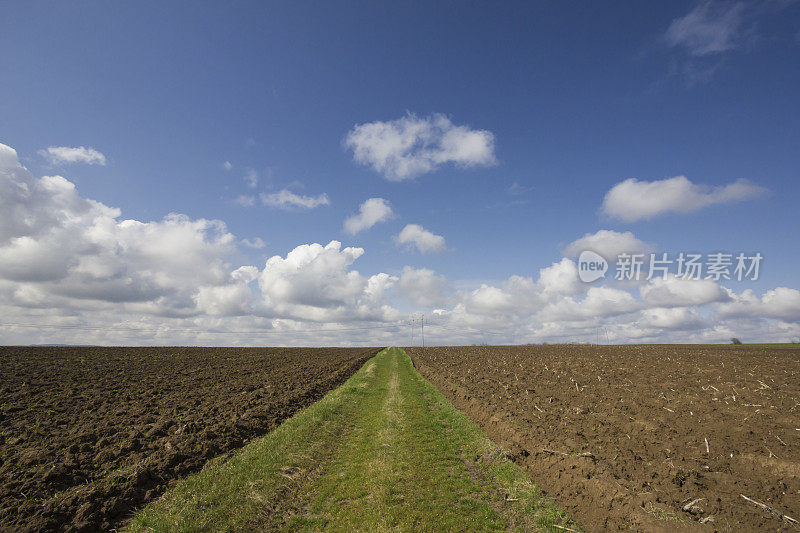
422, 325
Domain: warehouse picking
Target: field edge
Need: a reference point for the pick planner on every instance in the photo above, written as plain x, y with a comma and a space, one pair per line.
291, 464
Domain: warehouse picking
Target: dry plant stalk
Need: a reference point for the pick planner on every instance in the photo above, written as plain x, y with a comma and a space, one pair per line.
766, 507
565, 528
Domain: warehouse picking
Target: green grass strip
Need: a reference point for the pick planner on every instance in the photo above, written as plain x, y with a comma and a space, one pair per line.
385, 451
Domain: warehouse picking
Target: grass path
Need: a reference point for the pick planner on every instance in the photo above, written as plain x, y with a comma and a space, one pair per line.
385, 451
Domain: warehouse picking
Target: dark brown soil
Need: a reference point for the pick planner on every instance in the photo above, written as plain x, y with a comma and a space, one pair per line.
617, 435
87, 434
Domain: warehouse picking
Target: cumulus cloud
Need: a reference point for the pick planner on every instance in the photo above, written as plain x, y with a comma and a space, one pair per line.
410, 146
371, 212
314, 282
599, 303
58, 155
558, 307
423, 287
68, 256
520, 297
782, 303
561, 278
679, 292
677, 318
710, 28
67, 263
286, 199
233, 298
609, 244
313, 275
417, 236
81, 249
633, 200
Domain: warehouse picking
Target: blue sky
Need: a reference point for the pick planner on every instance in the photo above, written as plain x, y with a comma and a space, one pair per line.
575, 99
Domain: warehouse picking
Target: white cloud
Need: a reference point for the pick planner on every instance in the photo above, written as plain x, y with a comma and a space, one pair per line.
609, 244
423, 287
633, 200
75, 248
599, 303
520, 296
561, 278
81, 273
227, 165
377, 286
675, 318
781, 303
679, 292
257, 243
314, 282
410, 146
312, 275
286, 199
710, 28
66, 154
251, 178
488, 299
231, 299
246, 200
371, 212
64, 259
422, 239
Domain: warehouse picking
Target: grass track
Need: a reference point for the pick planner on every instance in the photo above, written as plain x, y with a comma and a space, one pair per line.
385, 451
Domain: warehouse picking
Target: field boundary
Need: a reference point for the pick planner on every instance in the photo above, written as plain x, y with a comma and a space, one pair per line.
384, 451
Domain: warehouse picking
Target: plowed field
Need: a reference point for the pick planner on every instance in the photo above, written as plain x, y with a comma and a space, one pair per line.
86, 434
629, 437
